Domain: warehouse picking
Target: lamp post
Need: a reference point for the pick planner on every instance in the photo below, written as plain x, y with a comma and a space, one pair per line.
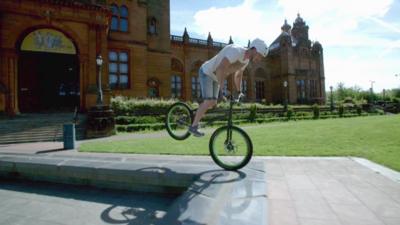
332, 107
372, 90
285, 84
99, 62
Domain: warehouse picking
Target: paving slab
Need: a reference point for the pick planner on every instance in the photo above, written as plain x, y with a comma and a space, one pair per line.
298, 190
331, 191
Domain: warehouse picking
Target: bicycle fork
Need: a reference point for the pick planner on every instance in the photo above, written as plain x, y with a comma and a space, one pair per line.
228, 141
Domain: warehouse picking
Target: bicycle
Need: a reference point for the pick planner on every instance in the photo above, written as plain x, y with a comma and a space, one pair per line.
230, 146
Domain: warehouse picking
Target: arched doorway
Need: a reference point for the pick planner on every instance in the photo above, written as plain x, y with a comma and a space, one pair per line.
48, 74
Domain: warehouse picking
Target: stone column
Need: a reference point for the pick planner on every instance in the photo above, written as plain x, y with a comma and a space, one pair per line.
9, 69
83, 76
251, 86
292, 89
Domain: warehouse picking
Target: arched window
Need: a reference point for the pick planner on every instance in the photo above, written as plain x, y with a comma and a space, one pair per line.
152, 26
196, 66
176, 86
176, 65
119, 19
123, 25
195, 87
243, 88
118, 69
225, 88
301, 91
260, 87
114, 18
176, 78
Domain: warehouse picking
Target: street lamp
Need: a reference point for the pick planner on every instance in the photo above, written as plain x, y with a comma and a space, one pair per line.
285, 84
332, 106
99, 62
372, 90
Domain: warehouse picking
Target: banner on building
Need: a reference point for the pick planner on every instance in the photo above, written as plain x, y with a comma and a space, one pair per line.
48, 40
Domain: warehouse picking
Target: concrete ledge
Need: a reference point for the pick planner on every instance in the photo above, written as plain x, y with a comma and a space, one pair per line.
115, 174
208, 195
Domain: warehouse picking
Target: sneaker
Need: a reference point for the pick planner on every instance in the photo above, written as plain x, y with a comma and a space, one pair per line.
195, 131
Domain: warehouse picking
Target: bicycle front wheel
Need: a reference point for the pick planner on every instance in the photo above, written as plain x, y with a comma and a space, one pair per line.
230, 148
178, 120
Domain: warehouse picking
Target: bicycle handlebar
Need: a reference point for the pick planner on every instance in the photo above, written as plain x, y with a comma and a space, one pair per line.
240, 96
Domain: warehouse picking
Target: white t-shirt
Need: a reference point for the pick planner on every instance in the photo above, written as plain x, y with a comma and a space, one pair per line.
232, 52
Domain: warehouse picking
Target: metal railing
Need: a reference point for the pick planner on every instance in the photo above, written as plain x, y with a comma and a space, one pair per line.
195, 41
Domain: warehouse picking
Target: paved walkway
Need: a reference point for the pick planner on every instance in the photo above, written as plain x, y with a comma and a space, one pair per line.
300, 190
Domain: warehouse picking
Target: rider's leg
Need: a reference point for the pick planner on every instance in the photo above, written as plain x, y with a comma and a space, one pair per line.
202, 110
209, 92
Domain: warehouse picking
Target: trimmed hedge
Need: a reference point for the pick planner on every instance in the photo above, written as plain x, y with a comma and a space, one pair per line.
125, 120
134, 114
124, 106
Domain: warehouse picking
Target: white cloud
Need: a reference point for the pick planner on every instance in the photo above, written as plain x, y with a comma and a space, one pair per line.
242, 22
356, 26
355, 70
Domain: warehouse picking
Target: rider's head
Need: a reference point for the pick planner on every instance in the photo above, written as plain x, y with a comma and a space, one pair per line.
259, 49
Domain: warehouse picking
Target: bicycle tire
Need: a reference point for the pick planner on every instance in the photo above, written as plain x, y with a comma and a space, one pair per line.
176, 131
214, 150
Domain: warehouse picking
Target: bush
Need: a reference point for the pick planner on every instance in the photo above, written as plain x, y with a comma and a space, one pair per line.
359, 109
289, 112
316, 110
121, 128
253, 113
142, 127
348, 100
124, 106
125, 120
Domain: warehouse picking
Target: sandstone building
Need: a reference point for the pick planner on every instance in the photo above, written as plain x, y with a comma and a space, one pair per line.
48, 51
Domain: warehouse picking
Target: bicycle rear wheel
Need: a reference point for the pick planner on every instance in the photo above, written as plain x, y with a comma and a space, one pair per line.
230, 151
178, 120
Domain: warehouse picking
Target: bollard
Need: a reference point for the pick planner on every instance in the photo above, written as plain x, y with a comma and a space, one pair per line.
69, 136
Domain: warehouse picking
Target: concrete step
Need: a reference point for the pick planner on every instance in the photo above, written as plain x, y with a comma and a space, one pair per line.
50, 135
38, 127
208, 195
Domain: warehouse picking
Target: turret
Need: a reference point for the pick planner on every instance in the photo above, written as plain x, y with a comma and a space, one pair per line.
300, 29
286, 27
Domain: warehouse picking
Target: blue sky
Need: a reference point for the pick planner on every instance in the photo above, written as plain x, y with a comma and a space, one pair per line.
361, 38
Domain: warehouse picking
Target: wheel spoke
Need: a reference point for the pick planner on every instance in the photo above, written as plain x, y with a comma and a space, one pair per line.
233, 152
178, 120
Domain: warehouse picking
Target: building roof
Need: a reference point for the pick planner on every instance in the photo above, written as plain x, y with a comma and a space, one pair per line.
276, 43
100, 5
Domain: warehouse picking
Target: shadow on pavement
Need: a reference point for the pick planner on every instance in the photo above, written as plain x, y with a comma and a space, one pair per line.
208, 195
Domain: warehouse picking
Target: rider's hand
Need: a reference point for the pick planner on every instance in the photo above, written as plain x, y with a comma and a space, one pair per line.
238, 95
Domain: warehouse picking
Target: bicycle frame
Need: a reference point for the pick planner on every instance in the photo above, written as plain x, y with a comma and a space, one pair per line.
222, 142
229, 133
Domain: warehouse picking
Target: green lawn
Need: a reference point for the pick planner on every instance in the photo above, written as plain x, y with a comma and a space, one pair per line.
376, 138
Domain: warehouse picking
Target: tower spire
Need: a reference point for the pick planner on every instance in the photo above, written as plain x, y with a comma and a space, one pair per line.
286, 27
